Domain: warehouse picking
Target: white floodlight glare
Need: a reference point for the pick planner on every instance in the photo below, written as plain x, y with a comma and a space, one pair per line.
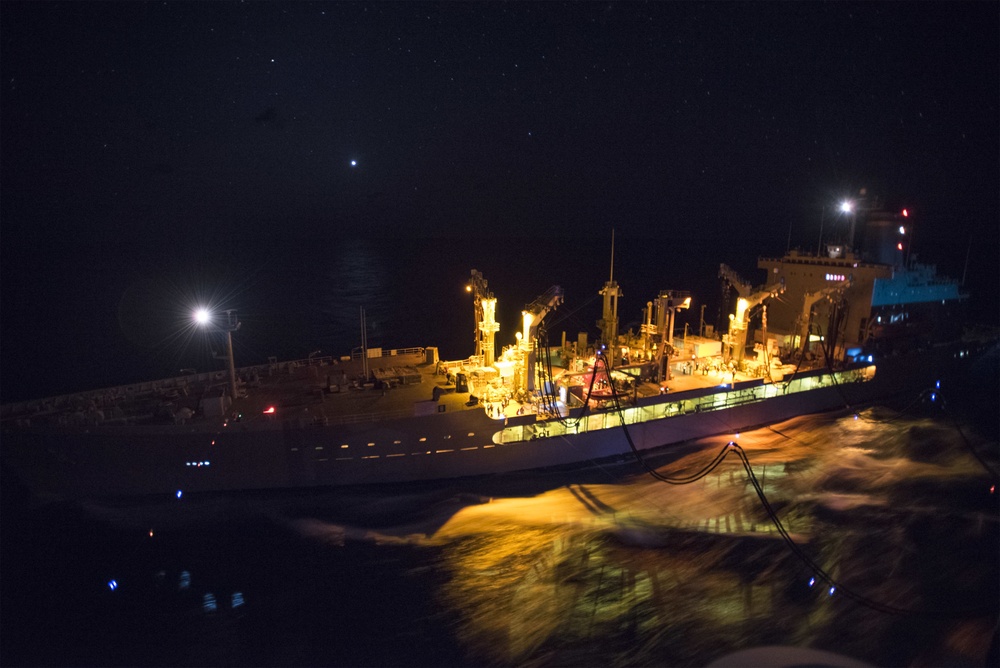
201, 316
846, 207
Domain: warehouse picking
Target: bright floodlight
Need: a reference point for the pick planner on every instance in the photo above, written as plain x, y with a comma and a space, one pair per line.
201, 316
846, 207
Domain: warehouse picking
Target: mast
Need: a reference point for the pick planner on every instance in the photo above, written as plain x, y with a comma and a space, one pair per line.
364, 344
609, 314
611, 278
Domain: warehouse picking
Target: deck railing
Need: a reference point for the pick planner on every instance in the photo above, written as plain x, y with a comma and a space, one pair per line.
109, 396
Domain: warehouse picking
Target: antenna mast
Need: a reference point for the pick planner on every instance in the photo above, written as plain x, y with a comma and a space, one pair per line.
609, 315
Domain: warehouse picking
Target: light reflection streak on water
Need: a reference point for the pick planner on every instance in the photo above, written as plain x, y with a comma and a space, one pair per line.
635, 570
624, 569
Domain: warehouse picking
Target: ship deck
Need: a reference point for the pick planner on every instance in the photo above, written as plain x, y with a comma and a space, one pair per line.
322, 392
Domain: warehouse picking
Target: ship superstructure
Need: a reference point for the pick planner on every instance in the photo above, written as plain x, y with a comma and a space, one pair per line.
846, 302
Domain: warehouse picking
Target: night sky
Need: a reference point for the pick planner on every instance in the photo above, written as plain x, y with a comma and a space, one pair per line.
133, 133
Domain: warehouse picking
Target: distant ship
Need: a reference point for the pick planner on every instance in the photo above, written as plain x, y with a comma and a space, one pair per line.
826, 330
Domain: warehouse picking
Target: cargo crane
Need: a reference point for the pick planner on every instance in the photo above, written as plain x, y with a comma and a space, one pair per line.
531, 318
738, 322
809, 300
486, 325
667, 303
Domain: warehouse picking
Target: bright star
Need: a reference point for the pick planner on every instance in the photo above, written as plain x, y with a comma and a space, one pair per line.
354, 163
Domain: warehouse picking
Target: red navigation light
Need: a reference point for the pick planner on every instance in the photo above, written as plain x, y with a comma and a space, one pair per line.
269, 410
906, 214
899, 246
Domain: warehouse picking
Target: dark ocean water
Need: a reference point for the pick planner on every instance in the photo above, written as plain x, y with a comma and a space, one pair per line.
598, 566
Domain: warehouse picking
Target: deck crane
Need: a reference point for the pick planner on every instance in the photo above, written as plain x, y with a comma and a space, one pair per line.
748, 298
810, 299
486, 325
531, 318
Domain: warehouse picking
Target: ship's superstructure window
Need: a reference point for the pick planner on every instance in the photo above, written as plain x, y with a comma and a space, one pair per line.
836, 277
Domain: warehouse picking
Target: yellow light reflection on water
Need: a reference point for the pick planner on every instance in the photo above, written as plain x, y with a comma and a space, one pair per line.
638, 570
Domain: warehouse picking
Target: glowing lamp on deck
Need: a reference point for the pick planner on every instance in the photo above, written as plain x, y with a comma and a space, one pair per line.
201, 316
269, 410
846, 207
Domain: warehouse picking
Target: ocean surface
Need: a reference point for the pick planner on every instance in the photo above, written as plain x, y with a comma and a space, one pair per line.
602, 565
